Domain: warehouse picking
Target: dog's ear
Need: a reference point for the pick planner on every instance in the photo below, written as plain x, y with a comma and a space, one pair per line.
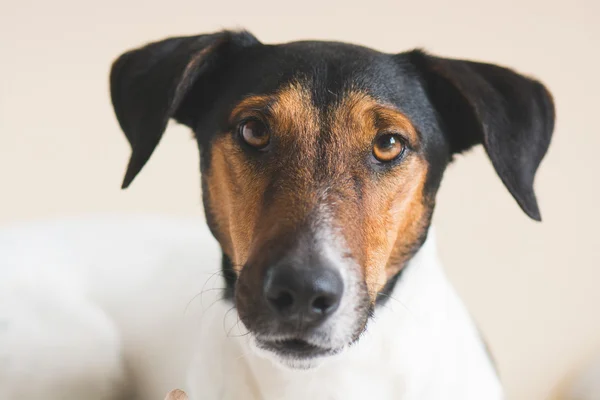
512, 115
149, 85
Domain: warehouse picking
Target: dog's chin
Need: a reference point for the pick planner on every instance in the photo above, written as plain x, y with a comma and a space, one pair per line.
292, 354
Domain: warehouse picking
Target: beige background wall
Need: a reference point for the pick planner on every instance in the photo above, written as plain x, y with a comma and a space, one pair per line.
533, 288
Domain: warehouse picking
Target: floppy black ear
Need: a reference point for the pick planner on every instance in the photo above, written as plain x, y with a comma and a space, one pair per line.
512, 115
149, 84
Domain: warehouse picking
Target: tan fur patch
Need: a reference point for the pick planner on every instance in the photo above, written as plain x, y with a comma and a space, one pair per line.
237, 188
390, 219
393, 215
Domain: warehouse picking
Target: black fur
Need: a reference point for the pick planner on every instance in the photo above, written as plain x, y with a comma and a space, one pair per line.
513, 116
229, 276
148, 86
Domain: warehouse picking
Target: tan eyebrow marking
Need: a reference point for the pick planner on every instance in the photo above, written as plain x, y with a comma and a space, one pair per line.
248, 105
288, 111
392, 119
363, 114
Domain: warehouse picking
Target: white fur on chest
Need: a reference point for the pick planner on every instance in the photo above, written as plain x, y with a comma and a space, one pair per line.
421, 344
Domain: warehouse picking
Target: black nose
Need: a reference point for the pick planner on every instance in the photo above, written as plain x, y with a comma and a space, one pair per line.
302, 294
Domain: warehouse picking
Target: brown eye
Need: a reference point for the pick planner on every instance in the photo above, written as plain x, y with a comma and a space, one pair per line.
388, 147
255, 134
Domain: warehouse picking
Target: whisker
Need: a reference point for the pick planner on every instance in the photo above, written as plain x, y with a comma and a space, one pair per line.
218, 272
235, 326
412, 314
244, 326
225, 319
213, 275
201, 302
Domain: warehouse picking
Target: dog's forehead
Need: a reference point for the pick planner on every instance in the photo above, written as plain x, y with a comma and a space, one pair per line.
330, 69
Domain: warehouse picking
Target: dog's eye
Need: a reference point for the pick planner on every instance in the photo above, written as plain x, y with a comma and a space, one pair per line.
254, 133
388, 147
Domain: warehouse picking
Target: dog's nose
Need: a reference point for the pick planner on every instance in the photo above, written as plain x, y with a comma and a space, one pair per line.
303, 295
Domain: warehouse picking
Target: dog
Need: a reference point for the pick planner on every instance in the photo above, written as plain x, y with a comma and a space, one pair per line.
320, 163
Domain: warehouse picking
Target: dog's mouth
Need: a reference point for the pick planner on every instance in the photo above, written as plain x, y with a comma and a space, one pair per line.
296, 348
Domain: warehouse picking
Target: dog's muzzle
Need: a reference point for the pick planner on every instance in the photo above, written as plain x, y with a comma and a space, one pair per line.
302, 305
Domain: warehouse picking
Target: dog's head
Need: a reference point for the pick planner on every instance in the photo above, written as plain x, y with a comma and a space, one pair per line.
320, 164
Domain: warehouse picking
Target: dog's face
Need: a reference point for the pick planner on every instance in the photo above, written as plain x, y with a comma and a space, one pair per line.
320, 164
332, 192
